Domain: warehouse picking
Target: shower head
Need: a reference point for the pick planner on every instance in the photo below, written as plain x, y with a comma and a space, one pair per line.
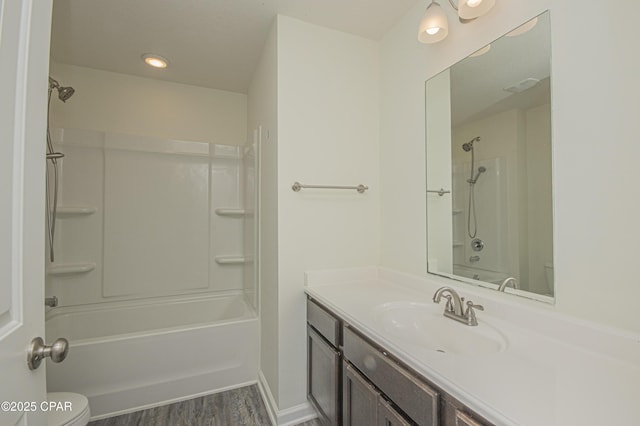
64, 93
469, 145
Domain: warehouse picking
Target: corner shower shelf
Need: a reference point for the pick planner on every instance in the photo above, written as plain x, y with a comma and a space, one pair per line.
76, 211
71, 268
456, 211
232, 260
457, 244
233, 212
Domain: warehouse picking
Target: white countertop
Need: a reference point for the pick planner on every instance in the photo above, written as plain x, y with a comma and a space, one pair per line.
555, 370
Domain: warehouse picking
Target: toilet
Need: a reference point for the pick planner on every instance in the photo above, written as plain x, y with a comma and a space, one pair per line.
67, 409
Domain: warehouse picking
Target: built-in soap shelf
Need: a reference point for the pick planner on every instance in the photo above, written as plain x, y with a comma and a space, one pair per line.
71, 268
456, 211
71, 211
233, 212
232, 260
458, 244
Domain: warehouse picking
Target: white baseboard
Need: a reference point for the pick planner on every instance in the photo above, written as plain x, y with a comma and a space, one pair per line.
288, 417
267, 398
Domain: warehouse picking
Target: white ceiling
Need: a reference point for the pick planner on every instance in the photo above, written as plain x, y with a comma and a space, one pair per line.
477, 84
209, 43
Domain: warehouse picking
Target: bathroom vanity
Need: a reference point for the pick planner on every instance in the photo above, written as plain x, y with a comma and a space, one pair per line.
354, 381
380, 352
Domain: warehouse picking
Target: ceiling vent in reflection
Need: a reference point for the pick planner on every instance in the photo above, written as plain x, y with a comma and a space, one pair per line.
523, 85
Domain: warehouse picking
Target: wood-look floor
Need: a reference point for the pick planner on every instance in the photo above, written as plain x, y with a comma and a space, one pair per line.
237, 407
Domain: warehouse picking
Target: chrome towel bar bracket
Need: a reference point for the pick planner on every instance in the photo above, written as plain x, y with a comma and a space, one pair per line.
297, 186
440, 191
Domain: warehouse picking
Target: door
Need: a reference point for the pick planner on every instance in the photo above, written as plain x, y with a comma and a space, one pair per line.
323, 378
389, 416
24, 62
360, 399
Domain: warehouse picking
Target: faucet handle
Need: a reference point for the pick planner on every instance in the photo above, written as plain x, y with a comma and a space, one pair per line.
448, 307
470, 314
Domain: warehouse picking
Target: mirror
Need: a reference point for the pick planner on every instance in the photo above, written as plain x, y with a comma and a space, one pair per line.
489, 200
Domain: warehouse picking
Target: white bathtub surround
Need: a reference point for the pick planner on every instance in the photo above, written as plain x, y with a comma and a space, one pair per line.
250, 183
129, 356
146, 217
555, 369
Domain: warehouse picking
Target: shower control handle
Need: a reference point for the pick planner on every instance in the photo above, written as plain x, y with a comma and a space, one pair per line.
477, 244
38, 351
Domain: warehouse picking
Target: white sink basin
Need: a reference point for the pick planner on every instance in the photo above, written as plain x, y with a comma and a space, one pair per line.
424, 325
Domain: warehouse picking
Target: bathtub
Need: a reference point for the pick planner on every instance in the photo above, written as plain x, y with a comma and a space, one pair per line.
126, 356
481, 274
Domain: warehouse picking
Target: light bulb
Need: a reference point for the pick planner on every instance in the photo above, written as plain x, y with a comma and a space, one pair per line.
471, 9
155, 61
433, 25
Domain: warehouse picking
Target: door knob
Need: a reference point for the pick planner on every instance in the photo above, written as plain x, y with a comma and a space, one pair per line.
38, 351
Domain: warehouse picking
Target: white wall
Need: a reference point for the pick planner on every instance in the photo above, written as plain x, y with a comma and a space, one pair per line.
539, 192
403, 62
328, 132
439, 174
594, 102
112, 102
262, 115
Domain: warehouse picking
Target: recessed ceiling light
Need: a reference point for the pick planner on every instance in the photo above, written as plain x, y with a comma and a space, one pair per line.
154, 60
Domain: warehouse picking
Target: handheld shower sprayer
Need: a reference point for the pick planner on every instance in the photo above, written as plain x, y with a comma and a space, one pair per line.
481, 170
64, 93
471, 211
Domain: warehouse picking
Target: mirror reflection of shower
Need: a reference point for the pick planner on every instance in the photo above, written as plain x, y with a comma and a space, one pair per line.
471, 210
64, 93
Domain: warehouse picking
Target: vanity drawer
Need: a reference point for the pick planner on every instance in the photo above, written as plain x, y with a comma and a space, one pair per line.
415, 398
325, 323
464, 419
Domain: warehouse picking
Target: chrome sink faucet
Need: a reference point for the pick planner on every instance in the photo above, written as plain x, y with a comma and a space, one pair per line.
451, 295
505, 283
454, 308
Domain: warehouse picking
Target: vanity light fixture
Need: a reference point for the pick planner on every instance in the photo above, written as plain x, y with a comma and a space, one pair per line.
155, 61
434, 26
472, 9
480, 52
